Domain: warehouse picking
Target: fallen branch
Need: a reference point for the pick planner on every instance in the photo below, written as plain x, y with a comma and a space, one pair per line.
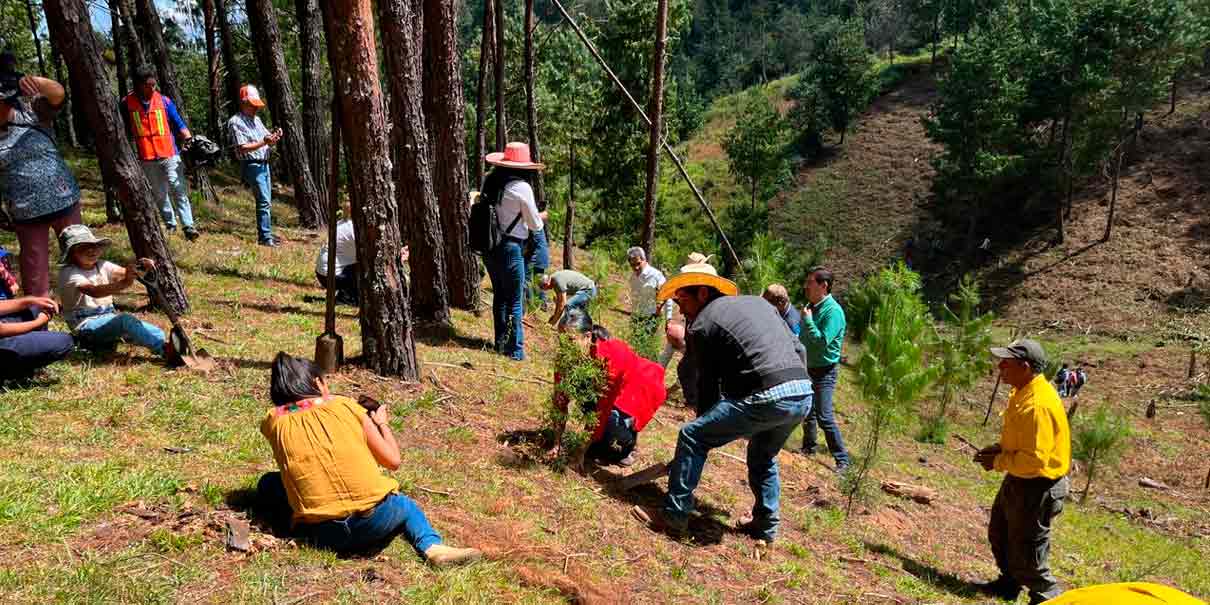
493, 373
638, 478
733, 457
916, 493
430, 490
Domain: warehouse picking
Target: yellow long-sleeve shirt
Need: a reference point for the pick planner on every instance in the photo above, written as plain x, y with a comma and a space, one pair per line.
1035, 440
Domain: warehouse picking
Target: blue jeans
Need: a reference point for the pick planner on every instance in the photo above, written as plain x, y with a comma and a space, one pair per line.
102, 331
537, 261
256, 176
823, 413
580, 299
167, 180
766, 418
395, 515
506, 269
23, 354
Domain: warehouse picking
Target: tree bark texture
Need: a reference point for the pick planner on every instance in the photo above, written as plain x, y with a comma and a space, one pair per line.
231, 75
314, 106
212, 76
499, 63
71, 29
486, 60
569, 216
117, 30
386, 323
655, 109
267, 39
33, 31
445, 115
148, 21
69, 111
134, 44
531, 112
420, 221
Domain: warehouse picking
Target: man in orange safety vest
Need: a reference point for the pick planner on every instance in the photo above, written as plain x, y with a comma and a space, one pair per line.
152, 120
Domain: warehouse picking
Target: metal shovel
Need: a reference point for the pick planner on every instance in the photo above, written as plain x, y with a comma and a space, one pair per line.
199, 359
329, 347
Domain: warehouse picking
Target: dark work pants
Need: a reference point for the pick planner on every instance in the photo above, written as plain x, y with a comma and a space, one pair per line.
346, 284
22, 355
1019, 532
824, 382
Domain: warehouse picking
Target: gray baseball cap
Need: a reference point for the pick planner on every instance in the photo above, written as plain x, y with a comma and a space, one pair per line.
1022, 348
74, 235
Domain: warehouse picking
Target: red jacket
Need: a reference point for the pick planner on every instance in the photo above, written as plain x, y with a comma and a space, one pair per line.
635, 385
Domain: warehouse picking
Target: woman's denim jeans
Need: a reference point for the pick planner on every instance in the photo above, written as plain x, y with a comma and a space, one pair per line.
506, 268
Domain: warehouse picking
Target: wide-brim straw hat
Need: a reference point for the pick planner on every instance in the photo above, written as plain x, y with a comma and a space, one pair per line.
515, 155
696, 274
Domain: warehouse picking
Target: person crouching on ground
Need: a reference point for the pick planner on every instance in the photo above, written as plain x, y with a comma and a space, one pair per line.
328, 449
346, 260
86, 288
633, 392
573, 290
1034, 453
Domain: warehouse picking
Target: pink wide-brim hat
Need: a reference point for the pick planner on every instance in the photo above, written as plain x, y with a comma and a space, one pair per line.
515, 155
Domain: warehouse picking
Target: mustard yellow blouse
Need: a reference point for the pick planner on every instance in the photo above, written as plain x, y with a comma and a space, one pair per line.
326, 465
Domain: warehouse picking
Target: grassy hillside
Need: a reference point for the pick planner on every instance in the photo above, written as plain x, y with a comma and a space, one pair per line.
119, 476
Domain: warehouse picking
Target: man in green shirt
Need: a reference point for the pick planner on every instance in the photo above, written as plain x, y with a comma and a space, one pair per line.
822, 334
572, 289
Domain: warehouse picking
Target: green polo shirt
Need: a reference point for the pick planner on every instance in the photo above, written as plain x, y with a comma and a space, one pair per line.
823, 333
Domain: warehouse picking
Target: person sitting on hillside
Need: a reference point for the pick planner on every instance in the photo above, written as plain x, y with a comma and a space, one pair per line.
346, 261
86, 288
634, 391
328, 449
1076, 381
25, 344
572, 290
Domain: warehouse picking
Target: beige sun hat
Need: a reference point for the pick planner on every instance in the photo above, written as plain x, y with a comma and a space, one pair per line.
697, 272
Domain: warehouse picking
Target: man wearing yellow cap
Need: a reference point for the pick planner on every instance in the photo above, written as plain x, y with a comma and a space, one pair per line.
750, 382
1034, 452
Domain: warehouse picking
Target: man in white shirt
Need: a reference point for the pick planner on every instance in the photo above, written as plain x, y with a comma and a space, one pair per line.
645, 284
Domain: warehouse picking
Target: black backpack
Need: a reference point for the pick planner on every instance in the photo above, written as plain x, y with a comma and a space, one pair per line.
485, 232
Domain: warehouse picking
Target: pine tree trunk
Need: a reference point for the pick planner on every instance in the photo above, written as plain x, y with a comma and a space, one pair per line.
262, 20
655, 110
1172, 96
531, 112
148, 21
133, 43
445, 115
386, 320
1113, 197
231, 75
71, 28
569, 217
118, 32
212, 79
33, 31
486, 59
420, 222
314, 106
69, 124
1092, 468
1192, 364
501, 60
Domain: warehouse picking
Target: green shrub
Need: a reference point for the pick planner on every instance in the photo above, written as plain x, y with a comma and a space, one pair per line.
582, 379
645, 337
1099, 439
863, 298
934, 429
1203, 401
959, 352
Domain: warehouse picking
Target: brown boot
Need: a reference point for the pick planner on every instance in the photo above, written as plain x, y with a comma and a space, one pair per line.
440, 555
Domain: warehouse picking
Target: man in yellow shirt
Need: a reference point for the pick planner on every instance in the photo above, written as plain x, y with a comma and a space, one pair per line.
1035, 453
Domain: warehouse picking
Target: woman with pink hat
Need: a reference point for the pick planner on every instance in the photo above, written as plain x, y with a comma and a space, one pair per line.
509, 186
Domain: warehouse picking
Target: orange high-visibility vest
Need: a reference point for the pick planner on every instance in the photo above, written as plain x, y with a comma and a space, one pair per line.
152, 135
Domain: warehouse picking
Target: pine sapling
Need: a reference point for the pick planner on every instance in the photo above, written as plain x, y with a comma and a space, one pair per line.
959, 353
1099, 439
581, 380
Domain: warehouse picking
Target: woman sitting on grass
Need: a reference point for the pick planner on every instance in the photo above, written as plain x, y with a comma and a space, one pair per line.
328, 449
633, 392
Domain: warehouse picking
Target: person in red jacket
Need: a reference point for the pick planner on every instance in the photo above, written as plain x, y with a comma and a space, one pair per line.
633, 392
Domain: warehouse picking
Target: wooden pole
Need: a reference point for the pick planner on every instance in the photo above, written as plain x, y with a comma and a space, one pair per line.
680, 166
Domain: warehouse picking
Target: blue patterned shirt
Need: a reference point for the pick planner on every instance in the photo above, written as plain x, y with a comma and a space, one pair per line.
35, 182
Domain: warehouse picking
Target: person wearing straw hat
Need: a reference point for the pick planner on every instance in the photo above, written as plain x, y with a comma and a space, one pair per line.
509, 183
749, 383
252, 144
